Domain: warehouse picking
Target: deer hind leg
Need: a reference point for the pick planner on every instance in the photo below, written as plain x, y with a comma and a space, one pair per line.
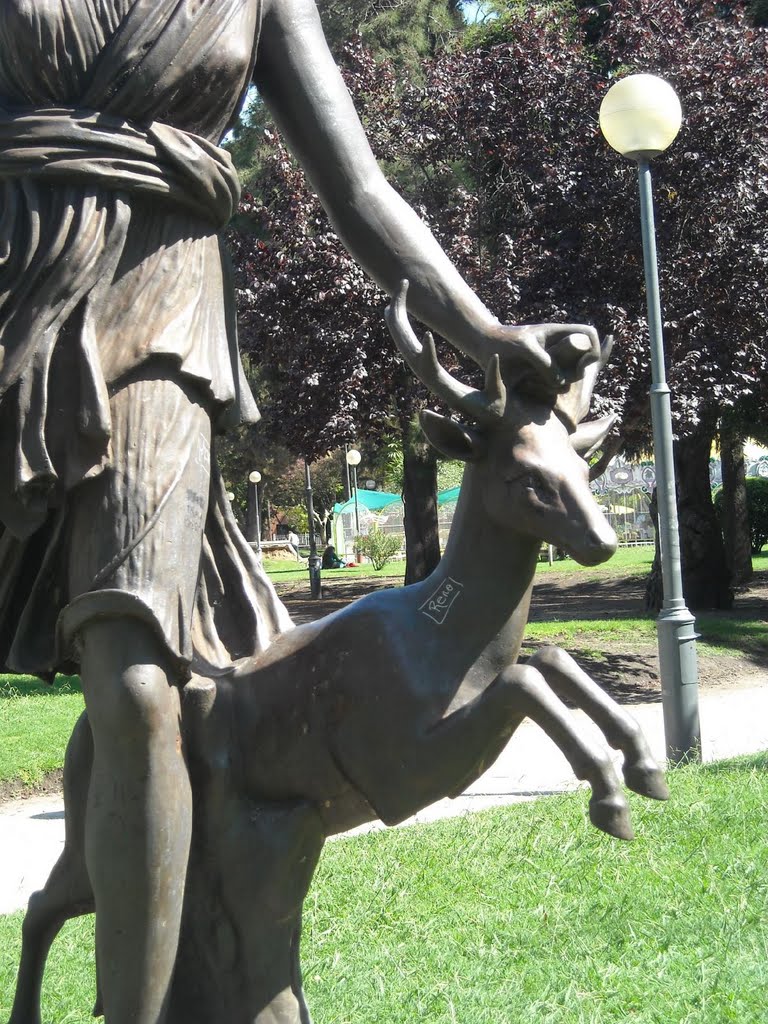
67, 892
529, 694
641, 772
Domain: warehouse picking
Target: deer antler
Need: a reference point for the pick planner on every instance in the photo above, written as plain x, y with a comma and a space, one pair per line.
573, 405
485, 406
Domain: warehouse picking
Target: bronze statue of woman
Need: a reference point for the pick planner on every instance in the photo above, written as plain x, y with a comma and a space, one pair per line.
119, 557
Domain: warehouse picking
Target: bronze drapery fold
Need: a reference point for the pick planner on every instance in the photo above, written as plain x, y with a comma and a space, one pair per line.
89, 147
113, 190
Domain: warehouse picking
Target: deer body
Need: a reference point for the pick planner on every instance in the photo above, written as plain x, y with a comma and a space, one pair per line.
399, 699
387, 672
307, 722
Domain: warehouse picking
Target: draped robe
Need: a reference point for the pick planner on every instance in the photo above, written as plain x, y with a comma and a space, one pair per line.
114, 191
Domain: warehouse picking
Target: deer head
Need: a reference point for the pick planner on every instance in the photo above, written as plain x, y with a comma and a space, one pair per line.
526, 455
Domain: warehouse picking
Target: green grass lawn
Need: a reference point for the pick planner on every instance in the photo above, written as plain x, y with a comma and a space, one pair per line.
525, 915
282, 570
35, 723
717, 635
626, 561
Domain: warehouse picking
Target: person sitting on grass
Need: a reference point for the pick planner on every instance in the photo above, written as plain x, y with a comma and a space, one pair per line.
330, 559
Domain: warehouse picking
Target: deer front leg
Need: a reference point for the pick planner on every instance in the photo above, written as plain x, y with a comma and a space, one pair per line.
568, 680
479, 730
413, 770
528, 694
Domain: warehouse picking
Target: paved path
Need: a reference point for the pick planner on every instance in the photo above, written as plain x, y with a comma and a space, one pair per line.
734, 721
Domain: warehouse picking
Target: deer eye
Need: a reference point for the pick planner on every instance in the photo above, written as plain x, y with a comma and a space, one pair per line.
537, 485
530, 480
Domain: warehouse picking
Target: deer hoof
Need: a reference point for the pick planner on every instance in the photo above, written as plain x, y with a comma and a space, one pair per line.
647, 779
611, 814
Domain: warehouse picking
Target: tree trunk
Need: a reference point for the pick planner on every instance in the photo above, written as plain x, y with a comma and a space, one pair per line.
706, 581
654, 587
422, 539
738, 543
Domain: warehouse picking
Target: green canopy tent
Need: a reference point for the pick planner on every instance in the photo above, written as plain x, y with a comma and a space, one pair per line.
368, 503
451, 494
371, 500
371, 503
375, 500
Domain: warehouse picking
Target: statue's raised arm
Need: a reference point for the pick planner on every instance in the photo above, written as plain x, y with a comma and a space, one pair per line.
297, 77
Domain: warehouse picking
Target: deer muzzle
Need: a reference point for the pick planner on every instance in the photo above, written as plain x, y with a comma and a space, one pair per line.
597, 545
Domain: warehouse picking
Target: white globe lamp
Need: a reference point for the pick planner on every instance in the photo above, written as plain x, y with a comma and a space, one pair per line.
353, 458
640, 116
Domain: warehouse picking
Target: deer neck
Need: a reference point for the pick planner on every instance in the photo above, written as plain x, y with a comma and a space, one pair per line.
486, 573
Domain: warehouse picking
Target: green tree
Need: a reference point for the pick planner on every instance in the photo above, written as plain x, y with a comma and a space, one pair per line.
327, 477
498, 146
378, 546
406, 31
757, 507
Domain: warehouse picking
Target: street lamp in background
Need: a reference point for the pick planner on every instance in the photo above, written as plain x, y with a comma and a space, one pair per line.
640, 117
314, 561
253, 519
353, 460
347, 478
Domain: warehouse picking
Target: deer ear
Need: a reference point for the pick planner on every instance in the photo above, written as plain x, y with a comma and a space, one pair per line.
588, 437
453, 440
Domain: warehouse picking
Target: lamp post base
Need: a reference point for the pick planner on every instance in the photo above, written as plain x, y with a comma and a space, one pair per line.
315, 584
679, 684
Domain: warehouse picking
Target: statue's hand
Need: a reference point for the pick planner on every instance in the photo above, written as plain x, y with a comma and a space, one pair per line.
555, 354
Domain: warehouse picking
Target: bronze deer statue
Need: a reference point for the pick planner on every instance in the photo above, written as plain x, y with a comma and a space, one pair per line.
375, 711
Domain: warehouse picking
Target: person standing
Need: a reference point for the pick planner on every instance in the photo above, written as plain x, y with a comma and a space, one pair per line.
293, 540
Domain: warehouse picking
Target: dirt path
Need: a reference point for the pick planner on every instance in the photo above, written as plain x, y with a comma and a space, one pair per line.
630, 676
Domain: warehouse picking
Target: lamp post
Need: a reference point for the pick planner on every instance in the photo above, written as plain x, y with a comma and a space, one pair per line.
353, 460
253, 519
314, 560
640, 117
347, 478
